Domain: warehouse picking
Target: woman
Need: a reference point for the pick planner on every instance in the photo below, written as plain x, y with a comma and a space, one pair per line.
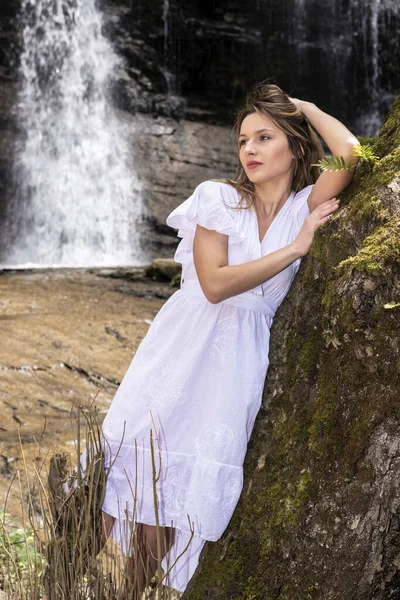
197, 378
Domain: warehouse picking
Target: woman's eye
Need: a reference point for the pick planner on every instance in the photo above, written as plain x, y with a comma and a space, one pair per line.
265, 137
242, 142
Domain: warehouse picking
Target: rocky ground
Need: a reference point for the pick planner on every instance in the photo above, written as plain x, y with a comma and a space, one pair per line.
67, 338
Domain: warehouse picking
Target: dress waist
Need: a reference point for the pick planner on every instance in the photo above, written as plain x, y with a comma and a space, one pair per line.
245, 300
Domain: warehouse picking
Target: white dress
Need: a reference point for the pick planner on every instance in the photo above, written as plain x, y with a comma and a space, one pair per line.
197, 380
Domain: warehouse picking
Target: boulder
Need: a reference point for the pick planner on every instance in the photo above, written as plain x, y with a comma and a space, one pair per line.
319, 517
163, 269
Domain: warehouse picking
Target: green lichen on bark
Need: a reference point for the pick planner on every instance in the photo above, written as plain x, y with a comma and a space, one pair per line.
319, 516
380, 249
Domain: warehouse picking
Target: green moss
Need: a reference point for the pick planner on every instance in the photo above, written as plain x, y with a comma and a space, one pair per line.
308, 356
324, 435
175, 281
389, 136
380, 248
387, 168
364, 207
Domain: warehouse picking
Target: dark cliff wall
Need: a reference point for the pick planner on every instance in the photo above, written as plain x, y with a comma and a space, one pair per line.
319, 518
8, 86
201, 57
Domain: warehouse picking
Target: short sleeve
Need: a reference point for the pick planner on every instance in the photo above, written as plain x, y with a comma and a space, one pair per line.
209, 207
300, 205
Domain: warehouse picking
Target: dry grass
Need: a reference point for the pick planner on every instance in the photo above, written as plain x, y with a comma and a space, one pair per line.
55, 554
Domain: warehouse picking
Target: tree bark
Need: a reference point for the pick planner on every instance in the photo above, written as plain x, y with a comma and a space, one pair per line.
319, 517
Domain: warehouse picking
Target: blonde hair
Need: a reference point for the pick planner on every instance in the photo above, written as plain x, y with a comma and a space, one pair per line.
270, 101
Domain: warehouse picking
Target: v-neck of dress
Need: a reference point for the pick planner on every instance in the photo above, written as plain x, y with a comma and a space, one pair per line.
277, 216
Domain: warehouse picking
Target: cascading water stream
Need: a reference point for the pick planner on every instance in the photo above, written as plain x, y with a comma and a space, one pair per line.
170, 78
342, 45
78, 201
368, 18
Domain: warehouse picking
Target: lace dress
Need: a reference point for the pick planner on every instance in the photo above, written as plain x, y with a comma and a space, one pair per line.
196, 381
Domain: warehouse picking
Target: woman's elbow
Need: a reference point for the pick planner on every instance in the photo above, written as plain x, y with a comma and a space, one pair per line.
213, 297
350, 153
210, 291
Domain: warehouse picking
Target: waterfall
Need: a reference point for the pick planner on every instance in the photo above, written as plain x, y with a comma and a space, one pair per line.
369, 16
170, 77
340, 44
78, 201
369, 20
165, 20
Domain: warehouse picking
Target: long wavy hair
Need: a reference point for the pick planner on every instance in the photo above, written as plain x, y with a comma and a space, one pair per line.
269, 100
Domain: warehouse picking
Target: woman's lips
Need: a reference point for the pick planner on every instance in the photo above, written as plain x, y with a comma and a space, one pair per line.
253, 165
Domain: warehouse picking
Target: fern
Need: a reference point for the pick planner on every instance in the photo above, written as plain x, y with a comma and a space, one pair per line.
334, 163
364, 152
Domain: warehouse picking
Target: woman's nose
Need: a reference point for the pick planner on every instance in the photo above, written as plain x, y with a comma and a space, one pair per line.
250, 149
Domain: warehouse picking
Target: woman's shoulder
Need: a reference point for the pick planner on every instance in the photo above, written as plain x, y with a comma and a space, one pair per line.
303, 194
214, 190
300, 208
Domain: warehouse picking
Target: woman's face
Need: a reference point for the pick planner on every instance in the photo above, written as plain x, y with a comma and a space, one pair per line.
264, 150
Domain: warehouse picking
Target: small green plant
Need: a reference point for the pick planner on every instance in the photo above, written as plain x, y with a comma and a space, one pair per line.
335, 163
19, 553
364, 152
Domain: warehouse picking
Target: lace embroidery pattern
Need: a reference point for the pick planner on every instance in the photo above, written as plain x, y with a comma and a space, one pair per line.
212, 437
174, 493
225, 337
164, 389
232, 493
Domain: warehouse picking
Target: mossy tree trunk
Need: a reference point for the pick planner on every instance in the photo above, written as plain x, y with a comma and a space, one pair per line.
319, 517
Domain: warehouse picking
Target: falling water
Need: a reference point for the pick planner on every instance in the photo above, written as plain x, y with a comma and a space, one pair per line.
368, 18
79, 199
170, 77
340, 44
165, 19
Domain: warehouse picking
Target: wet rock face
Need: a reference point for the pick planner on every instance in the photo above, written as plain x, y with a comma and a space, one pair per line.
186, 59
172, 158
198, 59
319, 516
8, 57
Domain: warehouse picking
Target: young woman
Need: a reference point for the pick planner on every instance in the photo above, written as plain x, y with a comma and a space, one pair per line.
197, 378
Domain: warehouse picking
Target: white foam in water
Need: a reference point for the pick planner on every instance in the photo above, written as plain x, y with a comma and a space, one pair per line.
79, 198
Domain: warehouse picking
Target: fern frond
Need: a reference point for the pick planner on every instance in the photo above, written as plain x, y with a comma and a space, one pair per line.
335, 163
365, 152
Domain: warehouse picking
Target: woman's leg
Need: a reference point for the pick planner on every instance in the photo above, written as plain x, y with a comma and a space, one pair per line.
107, 522
142, 567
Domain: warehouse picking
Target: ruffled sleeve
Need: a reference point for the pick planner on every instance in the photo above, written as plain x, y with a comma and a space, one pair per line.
209, 206
300, 205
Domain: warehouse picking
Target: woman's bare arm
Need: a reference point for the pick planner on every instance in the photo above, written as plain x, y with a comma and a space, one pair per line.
220, 281
340, 141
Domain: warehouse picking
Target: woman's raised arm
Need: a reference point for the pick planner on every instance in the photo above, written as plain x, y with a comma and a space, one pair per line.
340, 141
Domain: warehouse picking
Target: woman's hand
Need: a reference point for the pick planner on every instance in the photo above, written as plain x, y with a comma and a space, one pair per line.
298, 103
318, 217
